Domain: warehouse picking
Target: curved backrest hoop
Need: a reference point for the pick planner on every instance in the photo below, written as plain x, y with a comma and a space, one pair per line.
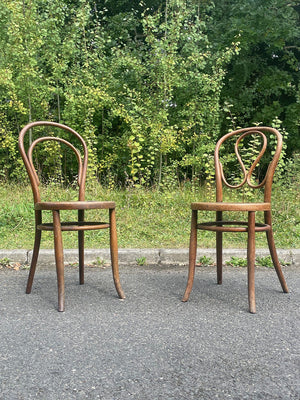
268, 179
27, 157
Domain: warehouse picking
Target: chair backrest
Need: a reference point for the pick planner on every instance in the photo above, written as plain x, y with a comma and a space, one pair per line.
245, 135
28, 159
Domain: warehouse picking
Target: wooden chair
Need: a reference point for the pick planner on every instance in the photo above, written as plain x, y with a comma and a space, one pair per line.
57, 206
249, 226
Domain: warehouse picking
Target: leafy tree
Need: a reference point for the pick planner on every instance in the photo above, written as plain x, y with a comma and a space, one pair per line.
262, 81
149, 84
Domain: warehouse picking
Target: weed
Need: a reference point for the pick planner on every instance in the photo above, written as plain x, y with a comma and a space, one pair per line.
284, 262
267, 262
100, 262
74, 264
205, 261
237, 262
4, 262
141, 261
16, 266
264, 261
260, 261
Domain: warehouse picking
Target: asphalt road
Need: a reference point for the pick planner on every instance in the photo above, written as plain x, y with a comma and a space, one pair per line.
150, 345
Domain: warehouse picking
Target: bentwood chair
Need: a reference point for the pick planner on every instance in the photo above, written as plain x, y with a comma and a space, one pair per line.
244, 138
55, 207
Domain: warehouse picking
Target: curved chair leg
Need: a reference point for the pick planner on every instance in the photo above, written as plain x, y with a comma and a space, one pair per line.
81, 249
251, 261
275, 260
192, 256
273, 252
35, 253
114, 252
219, 250
59, 260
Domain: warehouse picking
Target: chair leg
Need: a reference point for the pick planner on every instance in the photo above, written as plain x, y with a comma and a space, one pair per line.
35, 253
114, 252
59, 260
81, 249
34, 259
81, 256
192, 256
274, 256
219, 251
251, 261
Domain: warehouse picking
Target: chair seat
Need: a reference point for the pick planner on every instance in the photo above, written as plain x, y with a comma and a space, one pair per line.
74, 205
75, 226
222, 206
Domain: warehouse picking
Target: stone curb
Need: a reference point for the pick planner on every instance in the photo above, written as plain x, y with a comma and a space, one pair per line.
140, 256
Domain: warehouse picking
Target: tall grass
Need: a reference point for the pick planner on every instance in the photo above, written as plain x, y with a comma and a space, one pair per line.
145, 218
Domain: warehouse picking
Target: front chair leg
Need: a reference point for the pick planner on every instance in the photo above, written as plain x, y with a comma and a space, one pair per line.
192, 256
219, 250
34, 259
251, 261
81, 256
35, 253
114, 252
219, 257
81, 248
59, 260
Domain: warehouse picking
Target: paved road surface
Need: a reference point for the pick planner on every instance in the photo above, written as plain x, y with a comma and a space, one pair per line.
150, 346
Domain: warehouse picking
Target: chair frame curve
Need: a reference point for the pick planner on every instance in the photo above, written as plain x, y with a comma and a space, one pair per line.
250, 226
55, 207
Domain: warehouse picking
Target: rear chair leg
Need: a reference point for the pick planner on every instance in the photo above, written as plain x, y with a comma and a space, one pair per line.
59, 260
275, 260
273, 252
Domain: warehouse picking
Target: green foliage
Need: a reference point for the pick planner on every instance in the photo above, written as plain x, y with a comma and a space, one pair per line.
4, 262
205, 261
237, 262
149, 85
142, 86
141, 261
263, 78
264, 261
100, 262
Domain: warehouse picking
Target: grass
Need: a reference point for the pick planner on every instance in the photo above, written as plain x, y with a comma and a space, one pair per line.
145, 218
